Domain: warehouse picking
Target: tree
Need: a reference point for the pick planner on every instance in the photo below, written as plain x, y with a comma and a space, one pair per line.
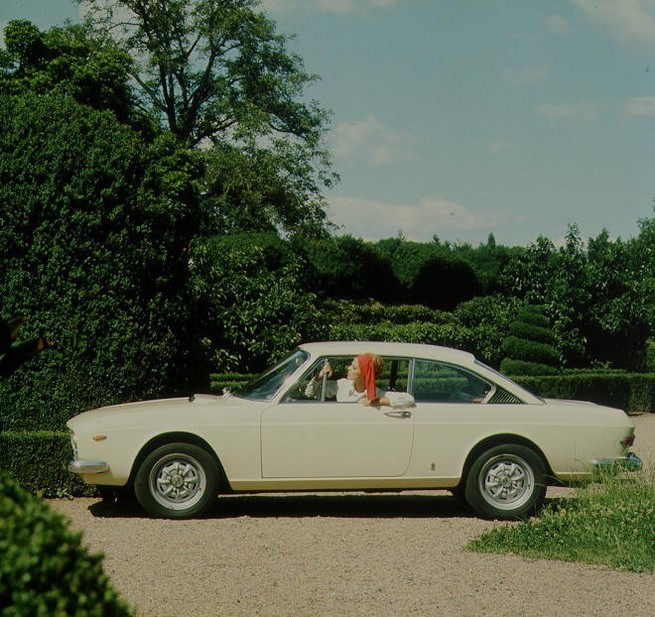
554, 279
623, 289
66, 61
344, 267
216, 71
429, 273
252, 306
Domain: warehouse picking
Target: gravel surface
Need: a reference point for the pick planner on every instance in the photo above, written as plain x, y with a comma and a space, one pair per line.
346, 555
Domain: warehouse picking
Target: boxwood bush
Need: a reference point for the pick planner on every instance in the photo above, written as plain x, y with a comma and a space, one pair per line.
45, 570
38, 459
632, 392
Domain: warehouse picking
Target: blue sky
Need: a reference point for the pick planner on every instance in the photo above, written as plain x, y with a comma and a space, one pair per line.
461, 118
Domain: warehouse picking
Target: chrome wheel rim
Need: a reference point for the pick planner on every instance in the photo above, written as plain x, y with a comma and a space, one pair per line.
507, 482
178, 481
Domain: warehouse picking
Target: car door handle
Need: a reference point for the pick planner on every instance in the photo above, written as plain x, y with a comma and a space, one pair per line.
398, 414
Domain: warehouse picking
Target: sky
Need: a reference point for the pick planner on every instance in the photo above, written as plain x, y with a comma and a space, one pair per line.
464, 118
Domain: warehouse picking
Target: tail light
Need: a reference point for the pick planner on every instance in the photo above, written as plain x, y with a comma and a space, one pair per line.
626, 442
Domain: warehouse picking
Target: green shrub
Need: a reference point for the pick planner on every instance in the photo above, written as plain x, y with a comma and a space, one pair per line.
632, 392
94, 232
510, 366
254, 308
347, 267
231, 381
650, 355
522, 349
45, 570
37, 461
529, 348
429, 273
449, 335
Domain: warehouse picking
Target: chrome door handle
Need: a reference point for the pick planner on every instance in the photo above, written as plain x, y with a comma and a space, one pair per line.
398, 414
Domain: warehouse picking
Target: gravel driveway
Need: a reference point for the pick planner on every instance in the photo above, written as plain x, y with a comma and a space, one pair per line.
346, 555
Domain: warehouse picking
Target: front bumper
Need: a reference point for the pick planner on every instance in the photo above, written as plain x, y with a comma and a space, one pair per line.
631, 462
87, 467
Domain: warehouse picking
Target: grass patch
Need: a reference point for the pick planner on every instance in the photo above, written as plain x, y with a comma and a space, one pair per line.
610, 523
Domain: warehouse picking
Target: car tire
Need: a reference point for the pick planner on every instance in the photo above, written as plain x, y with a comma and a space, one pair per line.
506, 482
177, 480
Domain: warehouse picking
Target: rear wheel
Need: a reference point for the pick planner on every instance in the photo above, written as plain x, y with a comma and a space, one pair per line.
177, 480
506, 482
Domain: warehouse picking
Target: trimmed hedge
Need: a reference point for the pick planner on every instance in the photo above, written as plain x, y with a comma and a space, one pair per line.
44, 567
231, 381
37, 461
533, 351
511, 366
632, 392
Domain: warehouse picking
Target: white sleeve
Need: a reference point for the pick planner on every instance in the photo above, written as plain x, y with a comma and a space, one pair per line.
400, 399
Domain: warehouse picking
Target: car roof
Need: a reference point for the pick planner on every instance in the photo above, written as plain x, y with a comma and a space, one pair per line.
411, 350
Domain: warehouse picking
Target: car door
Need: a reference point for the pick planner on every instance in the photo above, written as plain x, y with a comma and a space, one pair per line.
456, 410
306, 438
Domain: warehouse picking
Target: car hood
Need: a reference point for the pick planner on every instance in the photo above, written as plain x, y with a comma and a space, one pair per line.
133, 411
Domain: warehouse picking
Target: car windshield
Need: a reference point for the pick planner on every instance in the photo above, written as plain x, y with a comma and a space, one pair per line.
264, 386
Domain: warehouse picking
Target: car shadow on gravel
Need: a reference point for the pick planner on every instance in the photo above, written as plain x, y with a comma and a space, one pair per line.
355, 505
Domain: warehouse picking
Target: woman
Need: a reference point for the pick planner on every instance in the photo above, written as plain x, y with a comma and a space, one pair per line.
359, 385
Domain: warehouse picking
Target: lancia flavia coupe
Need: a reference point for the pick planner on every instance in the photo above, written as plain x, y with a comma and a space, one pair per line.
440, 420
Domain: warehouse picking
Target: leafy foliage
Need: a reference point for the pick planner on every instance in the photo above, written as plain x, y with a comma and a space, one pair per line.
254, 307
528, 348
94, 232
344, 267
217, 72
429, 273
44, 567
65, 61
13, 353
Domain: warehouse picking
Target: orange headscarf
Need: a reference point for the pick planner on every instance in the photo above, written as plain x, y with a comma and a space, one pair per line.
367, 369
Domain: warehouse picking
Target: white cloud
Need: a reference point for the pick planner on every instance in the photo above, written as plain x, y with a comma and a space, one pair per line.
640, 106
558, 25
585, 111
371, 141
498, 146
373, 220
628, 21
527, 75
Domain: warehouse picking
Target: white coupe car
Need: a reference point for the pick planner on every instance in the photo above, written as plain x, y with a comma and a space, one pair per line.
459, 426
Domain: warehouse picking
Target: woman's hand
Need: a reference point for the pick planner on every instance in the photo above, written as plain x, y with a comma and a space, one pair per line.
326, 370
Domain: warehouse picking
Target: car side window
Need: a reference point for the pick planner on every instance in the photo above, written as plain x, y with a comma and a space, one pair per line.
437, 382
393, 378
310, 387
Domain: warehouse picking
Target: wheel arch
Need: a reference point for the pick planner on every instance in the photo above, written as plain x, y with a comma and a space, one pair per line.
499, 440
178, 437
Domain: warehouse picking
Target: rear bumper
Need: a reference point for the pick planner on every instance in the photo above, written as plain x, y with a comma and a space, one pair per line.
87, 467
631, 462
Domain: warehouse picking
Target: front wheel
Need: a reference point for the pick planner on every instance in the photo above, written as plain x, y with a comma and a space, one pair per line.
506, 482
177, 480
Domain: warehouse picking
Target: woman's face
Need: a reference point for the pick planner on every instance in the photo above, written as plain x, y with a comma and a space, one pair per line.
353, 370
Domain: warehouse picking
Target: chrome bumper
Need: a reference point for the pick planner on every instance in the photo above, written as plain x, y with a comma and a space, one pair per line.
85, 467
631, 462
